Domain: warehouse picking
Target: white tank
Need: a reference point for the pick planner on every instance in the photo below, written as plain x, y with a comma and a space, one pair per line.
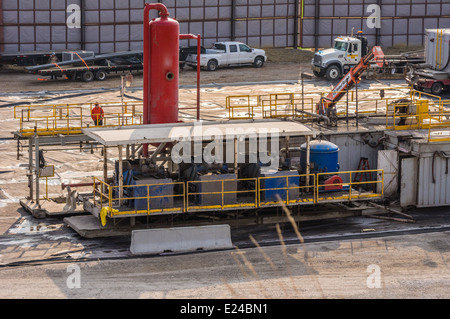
437, 49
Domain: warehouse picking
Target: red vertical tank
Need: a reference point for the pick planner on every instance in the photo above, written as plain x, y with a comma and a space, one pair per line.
162, 69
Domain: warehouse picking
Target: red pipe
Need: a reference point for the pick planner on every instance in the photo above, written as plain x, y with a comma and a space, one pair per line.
198, 38
198, 76
146, 56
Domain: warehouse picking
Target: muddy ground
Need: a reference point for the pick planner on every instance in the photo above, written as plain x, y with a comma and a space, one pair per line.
411, 266
15, 79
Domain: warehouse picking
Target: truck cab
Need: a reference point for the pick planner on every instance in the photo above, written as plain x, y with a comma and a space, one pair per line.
336, 61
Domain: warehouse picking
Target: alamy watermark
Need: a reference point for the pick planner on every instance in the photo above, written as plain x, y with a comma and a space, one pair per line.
227, 145
74, 16
74, 279
374, 20
374, 279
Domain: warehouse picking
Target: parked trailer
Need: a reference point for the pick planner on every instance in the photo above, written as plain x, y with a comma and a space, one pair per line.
88, 74
91, 68
98, 67
434, 75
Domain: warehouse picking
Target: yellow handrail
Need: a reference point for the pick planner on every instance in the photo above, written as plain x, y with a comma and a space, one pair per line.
46, 120
245, 193
345, 190
270, 105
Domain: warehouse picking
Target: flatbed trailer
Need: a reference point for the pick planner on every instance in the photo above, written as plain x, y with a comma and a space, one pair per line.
91, 68
98, 67
88, 73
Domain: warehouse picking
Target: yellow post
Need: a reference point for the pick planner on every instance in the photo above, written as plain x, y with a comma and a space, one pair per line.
287, 190
350, 188
148, 199
222, 193
110, 199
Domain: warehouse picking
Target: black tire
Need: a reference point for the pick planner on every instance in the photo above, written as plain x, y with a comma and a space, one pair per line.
101, 75
212, 65
259, 62
437, 88
333, 73
87, 76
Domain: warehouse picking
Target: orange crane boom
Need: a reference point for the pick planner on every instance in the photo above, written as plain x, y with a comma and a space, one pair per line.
349, 80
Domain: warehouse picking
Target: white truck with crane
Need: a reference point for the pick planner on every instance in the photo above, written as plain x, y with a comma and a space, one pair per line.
348, 51
336, 61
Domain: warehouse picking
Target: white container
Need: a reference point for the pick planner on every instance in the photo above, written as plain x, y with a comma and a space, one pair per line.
437, 49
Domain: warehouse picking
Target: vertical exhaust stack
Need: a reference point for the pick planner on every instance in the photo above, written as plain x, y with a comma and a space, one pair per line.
161, 67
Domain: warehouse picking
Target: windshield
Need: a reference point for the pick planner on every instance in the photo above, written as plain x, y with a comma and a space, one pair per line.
341, 46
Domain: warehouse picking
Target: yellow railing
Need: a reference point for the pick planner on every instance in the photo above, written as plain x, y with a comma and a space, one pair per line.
351, 190
228, 194
402, 116
140, 199
414, 94
418, 115
439, 127
102, 194
72, 118
289, 189
241, 106
221, 194
280, 105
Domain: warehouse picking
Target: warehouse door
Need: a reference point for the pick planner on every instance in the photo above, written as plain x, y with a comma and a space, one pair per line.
388, 161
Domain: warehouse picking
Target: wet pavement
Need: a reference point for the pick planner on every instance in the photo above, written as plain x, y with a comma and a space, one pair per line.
31, 241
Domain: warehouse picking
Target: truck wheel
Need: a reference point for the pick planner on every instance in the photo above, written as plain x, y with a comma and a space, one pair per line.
259, 62
87, 76
212, 65
437, 88
101, 75
333, 73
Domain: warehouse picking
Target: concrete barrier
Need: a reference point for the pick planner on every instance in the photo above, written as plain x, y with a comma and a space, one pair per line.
180, 239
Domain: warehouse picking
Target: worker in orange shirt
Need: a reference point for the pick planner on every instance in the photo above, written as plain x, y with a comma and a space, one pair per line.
97, 115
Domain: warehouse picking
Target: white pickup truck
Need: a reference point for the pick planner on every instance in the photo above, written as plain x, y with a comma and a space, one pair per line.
228, 54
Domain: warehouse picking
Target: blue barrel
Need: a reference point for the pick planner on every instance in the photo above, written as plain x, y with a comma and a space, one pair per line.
323, 157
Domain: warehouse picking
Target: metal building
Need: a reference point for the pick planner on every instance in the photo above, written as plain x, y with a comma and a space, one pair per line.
115, 25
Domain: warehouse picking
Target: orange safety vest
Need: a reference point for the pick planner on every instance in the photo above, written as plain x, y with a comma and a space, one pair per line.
97, 113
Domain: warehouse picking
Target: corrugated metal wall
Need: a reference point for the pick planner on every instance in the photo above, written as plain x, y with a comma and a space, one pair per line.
433, 194
403, 22
115, 25
352, 149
